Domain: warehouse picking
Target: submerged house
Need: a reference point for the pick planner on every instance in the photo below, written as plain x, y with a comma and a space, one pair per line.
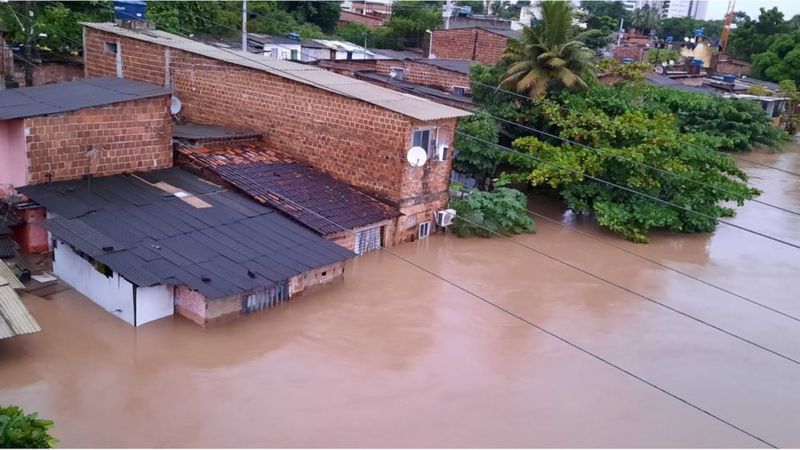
145, 246
333, 209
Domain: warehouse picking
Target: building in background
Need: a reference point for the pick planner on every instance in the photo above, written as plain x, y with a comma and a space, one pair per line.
695, 9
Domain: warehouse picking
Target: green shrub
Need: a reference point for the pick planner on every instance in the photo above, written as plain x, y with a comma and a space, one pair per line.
481, 213
18, 430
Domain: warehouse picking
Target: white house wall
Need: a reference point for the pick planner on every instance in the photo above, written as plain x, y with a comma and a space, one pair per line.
114, 293
154, 303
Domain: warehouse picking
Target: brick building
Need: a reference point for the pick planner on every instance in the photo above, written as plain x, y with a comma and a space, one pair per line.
443, 74
65, 131
485, 45
354, 131
48, 72
369, 21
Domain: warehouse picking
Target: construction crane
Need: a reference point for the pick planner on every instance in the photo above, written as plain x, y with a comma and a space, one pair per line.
726, 28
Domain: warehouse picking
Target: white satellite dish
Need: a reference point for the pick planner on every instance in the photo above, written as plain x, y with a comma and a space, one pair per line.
417, 156
671, 62
659, 69
174, 105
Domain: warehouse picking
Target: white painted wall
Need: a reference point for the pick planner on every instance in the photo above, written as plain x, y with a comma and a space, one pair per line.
154, 303
114, 293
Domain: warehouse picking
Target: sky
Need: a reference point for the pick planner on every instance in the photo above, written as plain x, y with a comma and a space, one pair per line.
716, 8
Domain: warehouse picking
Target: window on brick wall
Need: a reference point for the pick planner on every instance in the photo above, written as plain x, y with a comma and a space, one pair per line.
461, 90
424, 230
368, 240
110, 47
422, 138
397, 73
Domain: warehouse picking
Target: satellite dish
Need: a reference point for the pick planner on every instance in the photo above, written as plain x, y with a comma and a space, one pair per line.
417, 156
671, 62
659, 69
174, 105
664, 63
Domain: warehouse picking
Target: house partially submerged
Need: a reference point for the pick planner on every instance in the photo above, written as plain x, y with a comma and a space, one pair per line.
331, 208
354, 131
65, 131
149, 245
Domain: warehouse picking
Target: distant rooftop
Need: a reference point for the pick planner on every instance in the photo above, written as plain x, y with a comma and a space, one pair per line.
414, 88
407, 105
73, 95
455, 65
197, 133
381, 53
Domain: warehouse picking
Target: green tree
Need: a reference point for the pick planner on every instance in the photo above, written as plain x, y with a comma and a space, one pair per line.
679, 27
645, 18
655, 139
410, 19
20, 430
474, 158
323, 14
612, 9
548, 56
754, 37
51, 22
482, 213
781, 61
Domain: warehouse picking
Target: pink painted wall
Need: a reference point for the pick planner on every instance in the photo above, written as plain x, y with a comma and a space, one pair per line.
13, 160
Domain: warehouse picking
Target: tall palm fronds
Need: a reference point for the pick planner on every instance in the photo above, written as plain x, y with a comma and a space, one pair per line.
548, 56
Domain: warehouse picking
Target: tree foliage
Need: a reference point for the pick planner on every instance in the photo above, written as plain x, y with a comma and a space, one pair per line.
20, 430
646, 18
51, 21
781, 60
482, 213
616, 143
477, 159
680, 27
635, 72
613, 10
755, 36
548, 56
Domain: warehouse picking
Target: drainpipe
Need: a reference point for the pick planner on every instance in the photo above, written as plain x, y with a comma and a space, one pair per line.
29, 50
244, 25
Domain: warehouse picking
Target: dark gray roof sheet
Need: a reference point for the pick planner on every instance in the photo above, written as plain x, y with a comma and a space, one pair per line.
513, 34
665, 81
395, 54
200, 132
455, 65
73, 95
150, 236
418, 89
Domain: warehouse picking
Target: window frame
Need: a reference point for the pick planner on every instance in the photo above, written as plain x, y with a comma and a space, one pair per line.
427, 226
110, 47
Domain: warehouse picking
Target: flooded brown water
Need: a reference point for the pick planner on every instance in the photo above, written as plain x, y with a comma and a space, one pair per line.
395, 357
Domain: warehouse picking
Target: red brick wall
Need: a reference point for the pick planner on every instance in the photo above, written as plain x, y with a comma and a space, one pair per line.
415, 72
49, 72
469, 43
356, 142
347, 17
127, 136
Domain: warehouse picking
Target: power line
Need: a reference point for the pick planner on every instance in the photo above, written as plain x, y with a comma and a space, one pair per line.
564, 108
554, 335
752, 301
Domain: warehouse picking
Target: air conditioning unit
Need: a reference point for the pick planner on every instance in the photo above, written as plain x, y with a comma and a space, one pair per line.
445, 217
442, 152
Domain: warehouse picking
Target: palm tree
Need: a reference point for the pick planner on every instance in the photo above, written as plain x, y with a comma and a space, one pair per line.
548, 56
645, 18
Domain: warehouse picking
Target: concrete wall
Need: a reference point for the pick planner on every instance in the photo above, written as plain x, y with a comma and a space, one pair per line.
469, 43
308, 281
190, 304
108, 140
354, 141
13, 161
114, 294
154, 303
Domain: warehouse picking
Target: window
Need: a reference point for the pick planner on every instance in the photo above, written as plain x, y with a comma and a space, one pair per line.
258, 301
460, 90
422, 138
424, 230
275, 53
294, 55
110, 47
368, 240
397, 73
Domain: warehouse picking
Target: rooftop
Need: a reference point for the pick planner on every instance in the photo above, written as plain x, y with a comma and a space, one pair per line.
271, 179
73, 95
455, 65
407, 105
14, 316
418, 89
170, 227
381, 53
196, 132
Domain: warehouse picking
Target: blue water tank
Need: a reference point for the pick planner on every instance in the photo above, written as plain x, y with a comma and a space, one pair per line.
293, 36
130, 10
628, 60
729, 78
697, 62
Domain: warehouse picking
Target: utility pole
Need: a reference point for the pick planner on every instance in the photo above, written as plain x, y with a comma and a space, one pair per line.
619, 35
244, 25
28, 48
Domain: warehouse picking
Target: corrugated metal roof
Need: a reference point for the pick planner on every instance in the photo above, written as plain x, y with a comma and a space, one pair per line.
407, 105
15, 319
151, 236
73, 95
7, 277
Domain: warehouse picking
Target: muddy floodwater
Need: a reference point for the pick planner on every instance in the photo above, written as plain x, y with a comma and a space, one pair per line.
393, 356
